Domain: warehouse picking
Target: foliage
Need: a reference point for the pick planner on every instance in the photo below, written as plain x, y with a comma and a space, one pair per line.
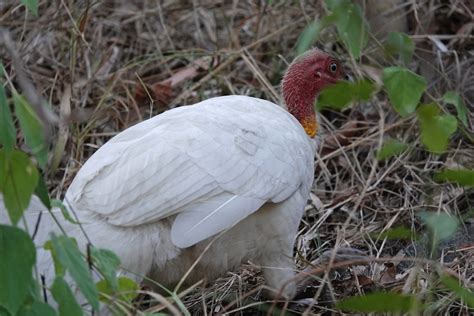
399, 232
63, 295
458, 290
404, 89
18, 179
380, 302
41, 192
126, 289
390, 148
400, 45
16, 267
455, 99
7, 129
441, 226
32, 128
32, 5
60, 205
350, 23
342, 94
436, 128
36, 309
308, 37
107, 263
69, 257
464, 177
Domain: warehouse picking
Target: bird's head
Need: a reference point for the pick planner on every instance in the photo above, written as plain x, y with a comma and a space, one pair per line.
306, 76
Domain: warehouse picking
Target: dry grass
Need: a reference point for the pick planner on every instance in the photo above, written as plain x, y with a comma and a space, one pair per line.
104, 66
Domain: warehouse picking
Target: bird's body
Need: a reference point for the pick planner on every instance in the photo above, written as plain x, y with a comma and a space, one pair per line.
228, 160
167, 186
217, 183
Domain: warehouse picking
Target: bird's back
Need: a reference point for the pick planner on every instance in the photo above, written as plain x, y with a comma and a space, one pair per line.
235, 144
179, 178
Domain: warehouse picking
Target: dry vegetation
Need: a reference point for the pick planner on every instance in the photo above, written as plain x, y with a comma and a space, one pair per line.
106, 65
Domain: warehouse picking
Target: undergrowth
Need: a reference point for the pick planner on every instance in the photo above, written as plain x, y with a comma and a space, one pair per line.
394, 170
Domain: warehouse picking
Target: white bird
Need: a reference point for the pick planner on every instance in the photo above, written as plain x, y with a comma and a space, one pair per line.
219, 183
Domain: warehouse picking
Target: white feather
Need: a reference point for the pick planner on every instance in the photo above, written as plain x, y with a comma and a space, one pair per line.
228, 145
207, 218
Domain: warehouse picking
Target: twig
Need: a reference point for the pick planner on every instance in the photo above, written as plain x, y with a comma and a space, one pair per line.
63, 134
232, 58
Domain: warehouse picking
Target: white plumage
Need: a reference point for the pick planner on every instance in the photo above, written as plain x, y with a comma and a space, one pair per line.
195, 161
159, 192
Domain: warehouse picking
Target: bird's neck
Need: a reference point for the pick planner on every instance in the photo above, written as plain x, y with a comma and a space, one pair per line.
301, 106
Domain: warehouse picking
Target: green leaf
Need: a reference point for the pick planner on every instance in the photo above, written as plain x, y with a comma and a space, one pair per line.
42, 192
442, 225
32, 129
378, 303
463, 177
350, 24
451, 97
32, 5
390, 148
18, 255
362, 90
335, 96
399, 232
332, 5
400, 44
65, 298
461, 292
308, 37
37, 309
127, 290
107, 263
59, 269
4, 312
59, 204
18, 178
70, 257
435, 128
7, 128
340, 95
404, 88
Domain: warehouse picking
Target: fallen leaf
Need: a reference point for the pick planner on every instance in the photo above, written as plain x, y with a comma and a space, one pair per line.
389, 274
162, 91
364, 280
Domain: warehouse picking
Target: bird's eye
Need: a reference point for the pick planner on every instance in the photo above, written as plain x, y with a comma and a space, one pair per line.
333, 68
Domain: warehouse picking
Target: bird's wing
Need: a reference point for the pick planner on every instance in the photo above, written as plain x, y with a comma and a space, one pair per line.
212, 164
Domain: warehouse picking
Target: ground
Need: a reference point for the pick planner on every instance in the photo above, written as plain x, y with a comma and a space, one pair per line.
104, 66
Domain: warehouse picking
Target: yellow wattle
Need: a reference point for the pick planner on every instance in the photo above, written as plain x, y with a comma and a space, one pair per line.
310, 125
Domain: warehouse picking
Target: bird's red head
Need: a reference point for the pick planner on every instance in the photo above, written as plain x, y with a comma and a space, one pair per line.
307, 75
